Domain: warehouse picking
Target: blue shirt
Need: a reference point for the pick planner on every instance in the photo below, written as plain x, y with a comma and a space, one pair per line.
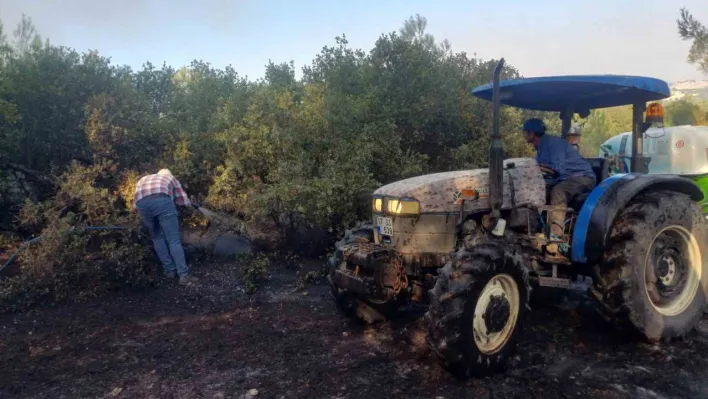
558, 154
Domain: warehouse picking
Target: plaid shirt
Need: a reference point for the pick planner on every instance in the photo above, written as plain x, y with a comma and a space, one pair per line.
161, 184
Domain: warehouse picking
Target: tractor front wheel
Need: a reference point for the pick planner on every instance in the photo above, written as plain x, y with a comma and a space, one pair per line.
654, 277
365, 310
477, 309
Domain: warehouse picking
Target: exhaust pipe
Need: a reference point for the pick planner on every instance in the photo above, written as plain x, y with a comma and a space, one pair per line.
496, 161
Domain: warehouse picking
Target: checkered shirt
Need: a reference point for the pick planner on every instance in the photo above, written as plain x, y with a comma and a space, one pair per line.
156, 184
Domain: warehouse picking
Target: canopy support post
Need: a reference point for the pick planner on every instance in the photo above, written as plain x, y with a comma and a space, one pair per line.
639, 163
566, 117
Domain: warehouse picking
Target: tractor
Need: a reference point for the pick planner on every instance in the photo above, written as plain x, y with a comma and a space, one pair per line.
472, 245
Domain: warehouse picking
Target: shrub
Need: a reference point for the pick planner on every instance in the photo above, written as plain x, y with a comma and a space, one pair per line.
254, 271
296, 158
70, 261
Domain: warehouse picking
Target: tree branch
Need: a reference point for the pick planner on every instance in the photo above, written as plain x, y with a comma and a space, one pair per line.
33, 175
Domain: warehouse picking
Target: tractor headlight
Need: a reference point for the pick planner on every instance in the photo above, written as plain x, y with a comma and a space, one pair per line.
403, 207
377, 205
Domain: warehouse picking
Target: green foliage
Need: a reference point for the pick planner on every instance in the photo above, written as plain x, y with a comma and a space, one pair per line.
120, 128
685, 112
303, 153
297, 155
691, 29
255, 271
69, 261
26, 36
596, 130
73, 264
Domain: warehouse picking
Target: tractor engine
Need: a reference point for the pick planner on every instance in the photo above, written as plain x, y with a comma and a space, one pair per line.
372, 270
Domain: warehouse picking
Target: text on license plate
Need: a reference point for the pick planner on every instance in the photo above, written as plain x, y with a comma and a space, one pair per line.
385, 225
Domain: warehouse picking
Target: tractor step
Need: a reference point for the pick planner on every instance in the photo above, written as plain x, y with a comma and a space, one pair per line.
554, 282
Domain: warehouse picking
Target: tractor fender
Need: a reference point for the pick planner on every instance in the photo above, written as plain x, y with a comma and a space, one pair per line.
598, 213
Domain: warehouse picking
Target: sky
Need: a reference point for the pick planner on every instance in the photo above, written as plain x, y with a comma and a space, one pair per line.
538, 37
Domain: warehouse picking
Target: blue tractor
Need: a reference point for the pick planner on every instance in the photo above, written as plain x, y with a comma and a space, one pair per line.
474, 244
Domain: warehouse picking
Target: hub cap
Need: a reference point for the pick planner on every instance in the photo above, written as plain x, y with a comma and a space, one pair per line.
672, 270
495, 314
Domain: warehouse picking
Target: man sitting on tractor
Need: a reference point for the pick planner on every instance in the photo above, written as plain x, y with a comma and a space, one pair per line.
566, 172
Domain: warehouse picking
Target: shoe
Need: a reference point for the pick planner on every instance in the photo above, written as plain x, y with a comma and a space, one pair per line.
170, 274
186, 280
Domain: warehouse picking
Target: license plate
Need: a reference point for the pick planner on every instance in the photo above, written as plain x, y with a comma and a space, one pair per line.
385, 226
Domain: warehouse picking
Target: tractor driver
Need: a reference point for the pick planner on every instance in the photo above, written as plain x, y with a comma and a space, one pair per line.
566, 172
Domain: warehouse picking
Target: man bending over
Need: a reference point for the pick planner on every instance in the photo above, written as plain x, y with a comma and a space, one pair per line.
155, 199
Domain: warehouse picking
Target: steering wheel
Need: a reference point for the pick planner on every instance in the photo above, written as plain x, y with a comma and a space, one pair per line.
548, 172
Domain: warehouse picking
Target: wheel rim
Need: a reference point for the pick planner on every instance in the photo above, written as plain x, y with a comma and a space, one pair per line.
495, 314
672, 270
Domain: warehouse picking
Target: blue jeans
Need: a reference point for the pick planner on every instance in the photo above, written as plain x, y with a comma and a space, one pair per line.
159, 215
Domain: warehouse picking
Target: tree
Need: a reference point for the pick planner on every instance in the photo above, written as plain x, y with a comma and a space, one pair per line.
287, 148
5, 47
595, 131
299, 156
691, 29
684, 112
282, 75
414, 30
26, 35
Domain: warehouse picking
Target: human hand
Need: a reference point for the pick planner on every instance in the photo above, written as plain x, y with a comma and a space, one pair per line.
548, 172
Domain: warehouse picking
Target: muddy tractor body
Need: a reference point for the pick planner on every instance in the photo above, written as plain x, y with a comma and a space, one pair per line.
473, 245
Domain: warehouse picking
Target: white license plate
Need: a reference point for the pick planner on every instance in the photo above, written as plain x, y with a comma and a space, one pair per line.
385, 225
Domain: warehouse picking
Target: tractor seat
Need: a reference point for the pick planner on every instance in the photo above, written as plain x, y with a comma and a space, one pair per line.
602, 171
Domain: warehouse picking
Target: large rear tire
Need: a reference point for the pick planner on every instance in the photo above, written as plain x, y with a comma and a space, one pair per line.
477, 309
361, 309
654, 277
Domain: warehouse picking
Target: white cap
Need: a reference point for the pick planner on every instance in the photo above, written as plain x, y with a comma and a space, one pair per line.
575, 130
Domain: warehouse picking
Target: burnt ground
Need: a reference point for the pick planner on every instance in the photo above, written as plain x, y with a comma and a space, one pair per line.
214, 341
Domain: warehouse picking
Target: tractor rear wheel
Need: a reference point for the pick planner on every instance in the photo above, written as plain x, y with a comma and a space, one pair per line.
654, 277
477, 309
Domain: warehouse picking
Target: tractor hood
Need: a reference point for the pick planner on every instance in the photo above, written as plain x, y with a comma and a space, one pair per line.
439, 192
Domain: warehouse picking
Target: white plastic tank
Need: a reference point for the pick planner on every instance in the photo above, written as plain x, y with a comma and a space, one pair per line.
679, 150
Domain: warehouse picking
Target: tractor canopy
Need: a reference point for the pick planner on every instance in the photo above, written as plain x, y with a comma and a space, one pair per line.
576, 93
568, 95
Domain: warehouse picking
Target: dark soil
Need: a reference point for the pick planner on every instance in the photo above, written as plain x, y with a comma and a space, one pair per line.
214, 341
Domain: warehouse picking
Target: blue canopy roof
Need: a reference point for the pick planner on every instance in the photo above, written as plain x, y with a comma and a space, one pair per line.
582, 92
